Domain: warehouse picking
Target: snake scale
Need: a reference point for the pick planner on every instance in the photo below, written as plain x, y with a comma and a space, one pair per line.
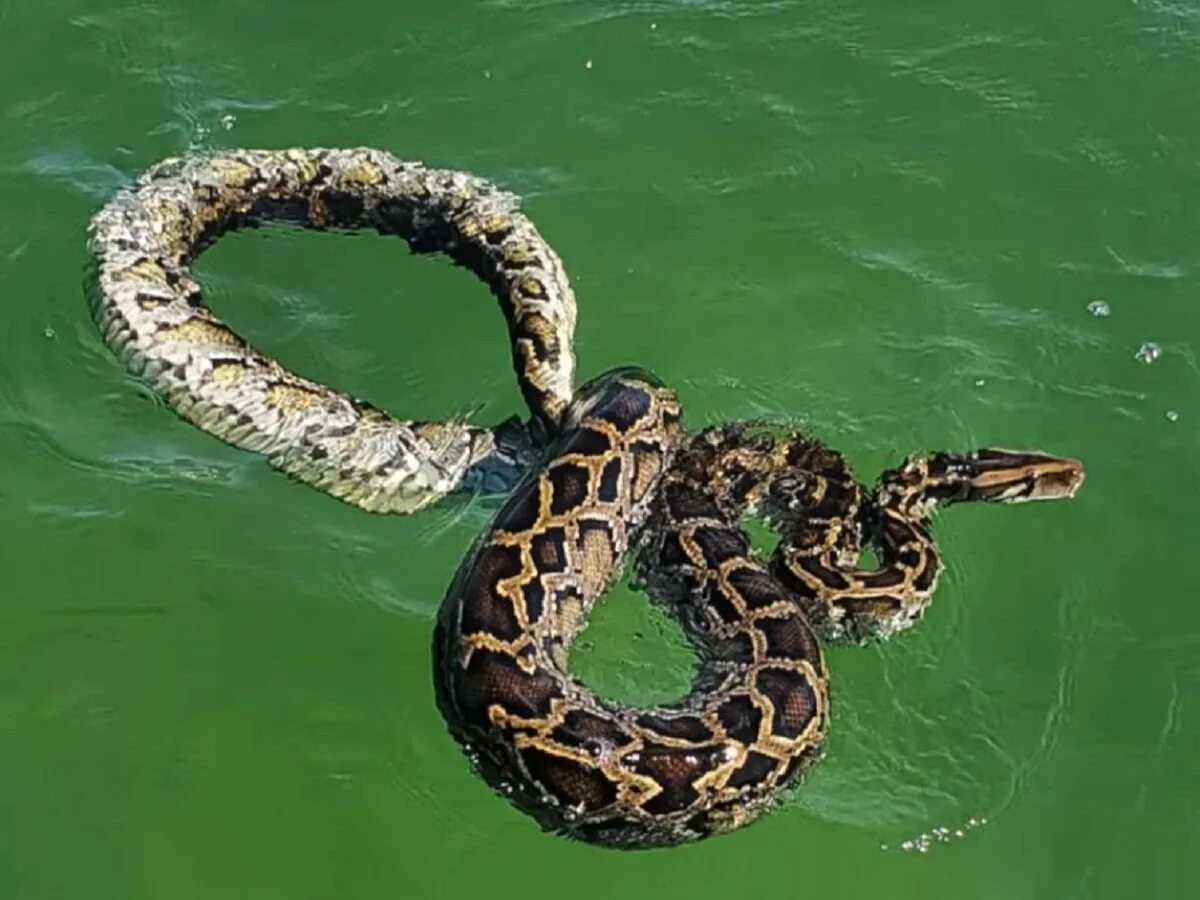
603, 474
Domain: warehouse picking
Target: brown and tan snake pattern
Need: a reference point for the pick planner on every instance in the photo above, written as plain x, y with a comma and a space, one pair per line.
618, 479
623, 477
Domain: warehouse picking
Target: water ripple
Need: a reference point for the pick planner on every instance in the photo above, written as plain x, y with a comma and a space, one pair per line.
70, 167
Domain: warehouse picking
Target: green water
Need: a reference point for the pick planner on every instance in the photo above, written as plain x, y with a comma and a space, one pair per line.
883, 219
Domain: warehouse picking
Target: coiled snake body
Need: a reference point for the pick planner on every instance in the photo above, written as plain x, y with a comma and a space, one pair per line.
619, 477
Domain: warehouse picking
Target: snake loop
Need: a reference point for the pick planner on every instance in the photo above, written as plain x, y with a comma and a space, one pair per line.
151, 312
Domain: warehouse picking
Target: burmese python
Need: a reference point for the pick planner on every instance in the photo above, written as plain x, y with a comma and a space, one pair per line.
623, 477
617, 476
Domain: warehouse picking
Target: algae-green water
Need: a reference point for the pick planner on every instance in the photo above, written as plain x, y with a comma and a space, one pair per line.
884, 221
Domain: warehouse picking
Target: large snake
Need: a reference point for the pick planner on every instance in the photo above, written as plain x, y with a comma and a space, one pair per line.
616, 476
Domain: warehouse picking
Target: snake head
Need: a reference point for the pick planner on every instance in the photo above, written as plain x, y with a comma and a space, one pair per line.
998, 475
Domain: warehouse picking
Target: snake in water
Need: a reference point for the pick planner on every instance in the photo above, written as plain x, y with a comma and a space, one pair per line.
603, 473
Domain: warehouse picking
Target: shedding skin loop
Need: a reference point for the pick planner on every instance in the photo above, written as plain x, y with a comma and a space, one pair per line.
604, 475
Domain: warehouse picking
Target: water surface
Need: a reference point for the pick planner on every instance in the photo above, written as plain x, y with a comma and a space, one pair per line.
883, 220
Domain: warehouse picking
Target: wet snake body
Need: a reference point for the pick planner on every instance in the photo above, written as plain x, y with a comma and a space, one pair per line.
616, 477
624, 479
600, 770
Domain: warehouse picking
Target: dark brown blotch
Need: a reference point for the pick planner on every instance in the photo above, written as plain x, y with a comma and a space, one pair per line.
609, 488
585, 442
342, 208
720, 545
740, 718
756, 770
674, 771
571, 782
789, 637
590, 732
793, 699
495, 678
683, 728
829, 577
671, 552
534, 595
497, 229
484, 608
549, 550
569, 487
738, 648
800, 764
883, 579
927, 575
722, 605
522, 510
624, 407
755, 586
395, 215
688, 502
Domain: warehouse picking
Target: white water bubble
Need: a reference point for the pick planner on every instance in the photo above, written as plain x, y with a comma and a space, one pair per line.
1148, 352
1099, 308
938, 834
